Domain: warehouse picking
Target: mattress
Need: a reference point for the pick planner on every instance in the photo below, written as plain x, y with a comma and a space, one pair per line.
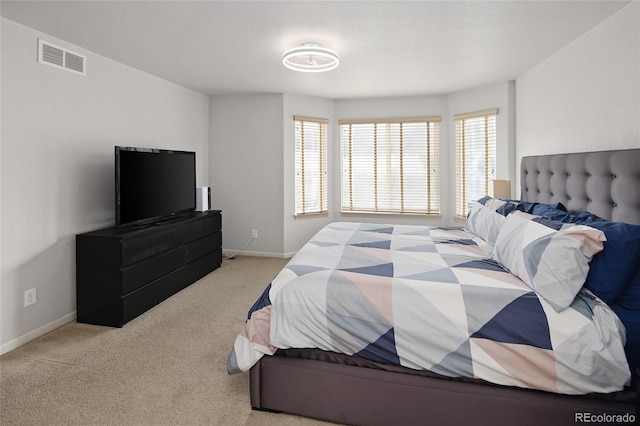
432, 299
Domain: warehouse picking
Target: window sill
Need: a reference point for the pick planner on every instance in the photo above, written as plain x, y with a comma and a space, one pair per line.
398, 214
306, 215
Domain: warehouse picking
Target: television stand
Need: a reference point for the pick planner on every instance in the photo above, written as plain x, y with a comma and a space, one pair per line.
123, 272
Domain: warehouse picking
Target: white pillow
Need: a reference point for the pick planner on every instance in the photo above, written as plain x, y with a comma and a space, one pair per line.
487, 216
550, 257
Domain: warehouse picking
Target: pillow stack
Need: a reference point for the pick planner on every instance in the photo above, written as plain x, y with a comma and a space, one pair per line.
614, 274
557, 253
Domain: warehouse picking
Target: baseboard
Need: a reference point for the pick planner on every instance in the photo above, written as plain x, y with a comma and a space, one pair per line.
34, 334
228, 253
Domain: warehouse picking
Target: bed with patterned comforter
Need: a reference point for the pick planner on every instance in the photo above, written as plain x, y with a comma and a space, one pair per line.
432, 298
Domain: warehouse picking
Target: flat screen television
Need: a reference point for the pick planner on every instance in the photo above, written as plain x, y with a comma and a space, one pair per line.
153, 184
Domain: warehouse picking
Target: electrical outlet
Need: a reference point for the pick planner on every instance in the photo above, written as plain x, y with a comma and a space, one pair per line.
30, 297
254, 233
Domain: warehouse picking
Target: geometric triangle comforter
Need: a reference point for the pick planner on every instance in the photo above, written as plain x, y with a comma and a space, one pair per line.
431, 298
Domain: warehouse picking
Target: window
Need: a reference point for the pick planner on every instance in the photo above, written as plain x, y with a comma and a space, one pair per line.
391, 166
475, 157
311, 165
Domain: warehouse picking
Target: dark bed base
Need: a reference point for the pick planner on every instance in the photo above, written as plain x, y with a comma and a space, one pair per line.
604, 183
362, 396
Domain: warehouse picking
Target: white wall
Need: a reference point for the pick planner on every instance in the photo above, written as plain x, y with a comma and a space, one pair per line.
246, 169
252, 165
587, 96
252, 171
58, 133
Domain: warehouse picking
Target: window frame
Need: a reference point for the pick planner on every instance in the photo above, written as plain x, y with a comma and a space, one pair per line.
376, 203
490, 137
300, 182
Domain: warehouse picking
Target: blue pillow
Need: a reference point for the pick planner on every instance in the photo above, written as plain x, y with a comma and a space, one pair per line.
585, 217
506, 207
613, 273
551, 212
528, 206
630, 298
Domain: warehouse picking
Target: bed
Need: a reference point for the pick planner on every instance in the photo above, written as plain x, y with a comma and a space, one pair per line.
586, 350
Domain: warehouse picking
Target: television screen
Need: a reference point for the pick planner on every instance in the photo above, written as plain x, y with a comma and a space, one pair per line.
153, 183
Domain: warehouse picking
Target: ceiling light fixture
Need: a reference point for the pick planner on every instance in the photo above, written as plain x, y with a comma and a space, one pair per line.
310, 57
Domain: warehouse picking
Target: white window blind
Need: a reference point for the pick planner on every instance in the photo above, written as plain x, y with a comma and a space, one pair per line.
391, 166
310, 165
475, 157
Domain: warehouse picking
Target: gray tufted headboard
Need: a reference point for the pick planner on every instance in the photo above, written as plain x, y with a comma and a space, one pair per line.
605, 183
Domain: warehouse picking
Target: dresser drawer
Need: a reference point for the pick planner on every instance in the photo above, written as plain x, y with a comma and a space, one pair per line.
209, 225
146, 297
141, 273
203, 246
135, 276
147, 245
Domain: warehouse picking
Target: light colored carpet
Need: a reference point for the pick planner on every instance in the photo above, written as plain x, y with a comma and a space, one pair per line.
166, 367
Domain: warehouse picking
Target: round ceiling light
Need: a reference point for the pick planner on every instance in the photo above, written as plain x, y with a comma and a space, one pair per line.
310, 57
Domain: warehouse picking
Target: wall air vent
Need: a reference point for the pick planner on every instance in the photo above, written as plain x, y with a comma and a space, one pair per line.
59, 57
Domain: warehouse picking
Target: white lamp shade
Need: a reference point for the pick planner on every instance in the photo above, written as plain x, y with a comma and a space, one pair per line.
500, 189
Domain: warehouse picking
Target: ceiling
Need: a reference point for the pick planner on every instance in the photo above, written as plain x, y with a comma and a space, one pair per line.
386, 48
